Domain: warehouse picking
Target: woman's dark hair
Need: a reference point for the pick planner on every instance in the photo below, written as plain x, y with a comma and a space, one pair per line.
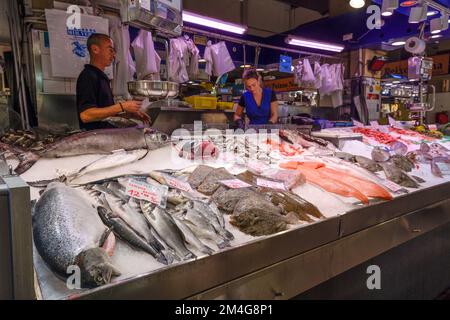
250, 74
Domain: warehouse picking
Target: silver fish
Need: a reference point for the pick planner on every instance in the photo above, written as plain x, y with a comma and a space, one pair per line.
191, 239
200, 225
215, 217
380, 155
396, 175
125, 232
166, 228
67, 231
102, 141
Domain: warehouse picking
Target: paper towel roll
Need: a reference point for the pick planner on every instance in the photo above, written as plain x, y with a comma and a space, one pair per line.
415, 45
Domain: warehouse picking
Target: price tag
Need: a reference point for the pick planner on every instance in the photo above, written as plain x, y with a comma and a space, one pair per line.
392, 122
358, 124
444, 167
374, 124
432, 127
235, 184
257, 166
151, 193
270, 184
392, 186
178, 184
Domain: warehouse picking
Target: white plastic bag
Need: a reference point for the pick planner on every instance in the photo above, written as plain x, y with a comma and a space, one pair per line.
317, 75
124, 67
327, 81
222, 62
145, 55
177, 67
308, 75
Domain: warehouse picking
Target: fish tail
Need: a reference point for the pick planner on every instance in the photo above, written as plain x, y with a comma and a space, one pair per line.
26, 161
207, 250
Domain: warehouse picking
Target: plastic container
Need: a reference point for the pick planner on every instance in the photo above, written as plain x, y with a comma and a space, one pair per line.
199, 102
225, 105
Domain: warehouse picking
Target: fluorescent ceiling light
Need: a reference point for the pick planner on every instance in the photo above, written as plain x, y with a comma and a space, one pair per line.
314, 44
260, 70
431, 13
213, 23
437, 36
245, 66
398, 43
388, 7
202, 60
418, 14
357, 3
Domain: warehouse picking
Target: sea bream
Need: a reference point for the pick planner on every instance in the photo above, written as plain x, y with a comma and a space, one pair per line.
102, 141
67, 231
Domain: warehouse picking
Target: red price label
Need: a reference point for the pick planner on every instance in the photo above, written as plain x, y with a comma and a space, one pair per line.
144, 191
235, 184
270, 184
178, 184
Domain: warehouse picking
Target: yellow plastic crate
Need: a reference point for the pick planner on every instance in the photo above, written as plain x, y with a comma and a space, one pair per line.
200, 102
225, 105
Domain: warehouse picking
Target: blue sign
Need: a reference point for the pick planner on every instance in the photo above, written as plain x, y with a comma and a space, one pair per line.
285, 64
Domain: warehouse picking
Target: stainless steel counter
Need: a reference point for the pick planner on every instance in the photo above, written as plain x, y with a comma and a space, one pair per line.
285, 265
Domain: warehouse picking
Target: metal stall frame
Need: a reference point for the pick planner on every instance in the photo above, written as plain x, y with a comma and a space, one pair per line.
290, 263
17, 276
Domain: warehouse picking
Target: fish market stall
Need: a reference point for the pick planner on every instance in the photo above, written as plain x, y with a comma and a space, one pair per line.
305, 227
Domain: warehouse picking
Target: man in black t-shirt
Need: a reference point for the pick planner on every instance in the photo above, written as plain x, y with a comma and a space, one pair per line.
95, 100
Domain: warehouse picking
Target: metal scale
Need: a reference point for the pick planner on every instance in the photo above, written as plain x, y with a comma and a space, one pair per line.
420, 69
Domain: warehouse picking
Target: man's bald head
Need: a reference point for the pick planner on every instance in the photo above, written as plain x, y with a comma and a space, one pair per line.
101, 50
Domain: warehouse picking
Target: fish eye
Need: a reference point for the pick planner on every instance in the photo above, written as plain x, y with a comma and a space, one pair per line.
99, 279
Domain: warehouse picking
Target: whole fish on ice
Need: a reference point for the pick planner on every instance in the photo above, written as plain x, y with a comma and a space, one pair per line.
102, 141
67, 231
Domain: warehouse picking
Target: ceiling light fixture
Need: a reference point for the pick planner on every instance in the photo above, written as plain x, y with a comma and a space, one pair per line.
388, 7
418, 14
439, 24
314, 44
436, 36
432, 13
213, 23
410, 3
357, 3
398, 43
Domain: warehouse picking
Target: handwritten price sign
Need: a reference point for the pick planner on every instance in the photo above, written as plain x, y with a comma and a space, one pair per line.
151, 193
178, 184
270, 184
235, 184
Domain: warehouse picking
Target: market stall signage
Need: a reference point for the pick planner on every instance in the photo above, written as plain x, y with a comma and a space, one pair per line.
285, 64
200, 40
235, 184
68, 50
440, 66
270, 184
282, 85
151, 193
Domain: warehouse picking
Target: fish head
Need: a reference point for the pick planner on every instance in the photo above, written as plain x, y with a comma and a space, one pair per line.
156, 136
96, 267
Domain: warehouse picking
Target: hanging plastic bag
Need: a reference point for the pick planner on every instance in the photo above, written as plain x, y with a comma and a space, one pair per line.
222, 61
208, 58
145, 55
327, 81
317, 75
177, 67
308, 78
124, 67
